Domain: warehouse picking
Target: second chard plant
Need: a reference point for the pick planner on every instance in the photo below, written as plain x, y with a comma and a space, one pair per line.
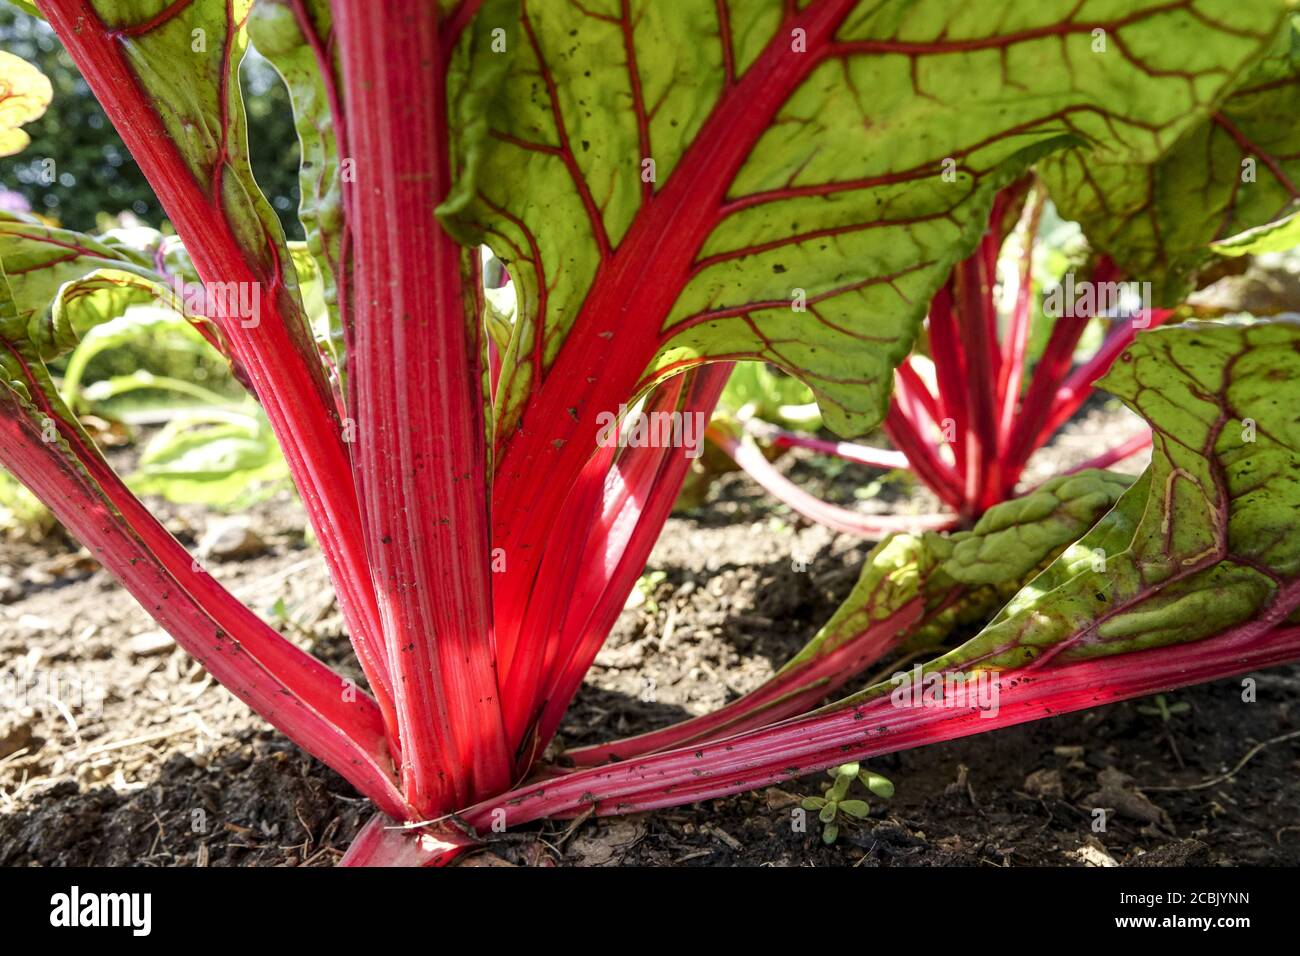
673, 187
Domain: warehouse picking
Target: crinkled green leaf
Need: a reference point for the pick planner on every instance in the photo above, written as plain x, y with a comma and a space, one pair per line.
84, 304
27, 392
212, 451
63, 282
965, 576
1276, 236
1235, 171
161, 328
1207, 540
780, 173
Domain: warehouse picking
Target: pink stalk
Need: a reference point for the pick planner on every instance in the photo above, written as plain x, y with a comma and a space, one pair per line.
977, 327
297, 694
909, 384
1030, 430
949, 369
1126, 449
1051, 369
875, 727
277, 355
556, 592
602, 362
385, 842
1016, 344
421, 451
849, 451
751, 459
924, 457
1078, 386
640, 492
611, 507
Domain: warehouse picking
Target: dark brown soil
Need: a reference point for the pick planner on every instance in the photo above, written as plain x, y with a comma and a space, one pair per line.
170, 770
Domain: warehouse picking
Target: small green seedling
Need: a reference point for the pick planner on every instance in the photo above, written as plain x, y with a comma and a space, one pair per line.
647, 584
836, 801
1160, 707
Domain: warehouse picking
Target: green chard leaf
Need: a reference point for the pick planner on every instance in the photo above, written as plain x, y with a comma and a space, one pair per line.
692, 182
1230, 181
1206, 541
64, 282
173, 69
964, 577
225, 462
914, 590
1277, 236
186, 59
297, 38
27, 392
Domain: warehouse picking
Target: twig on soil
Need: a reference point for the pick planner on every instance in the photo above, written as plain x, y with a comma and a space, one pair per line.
66, 715
1277, 836
572, 828
263, 584
697, 854
135, 741
1250, 755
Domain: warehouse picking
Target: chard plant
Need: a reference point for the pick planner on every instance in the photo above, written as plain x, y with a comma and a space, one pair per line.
967, 415
672, 187
968, 427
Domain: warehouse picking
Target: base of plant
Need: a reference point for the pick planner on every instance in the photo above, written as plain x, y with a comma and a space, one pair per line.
384, 841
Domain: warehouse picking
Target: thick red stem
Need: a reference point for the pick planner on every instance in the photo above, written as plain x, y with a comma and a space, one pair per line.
977, 326
558, 592
277, 353
620, 326
1048, 374
1016, 343
640, 491
751, 459
293, 691
925, 460
835, 736
950, 374
385, 842
915, 393
421, 447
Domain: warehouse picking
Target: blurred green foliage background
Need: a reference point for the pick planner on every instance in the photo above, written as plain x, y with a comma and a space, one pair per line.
213, 448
